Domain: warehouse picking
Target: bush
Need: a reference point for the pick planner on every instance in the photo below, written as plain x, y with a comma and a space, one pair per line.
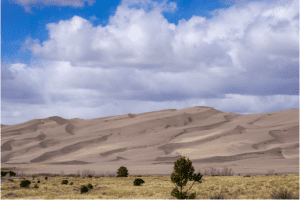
3, 173
39, 181
90, 186
184, 172
83, 189
10, 173
122, 172
283, 194
46, 178
71, 183
36, 186
11, 180
25, 183
138, 181
139, 176
90, 176
65, 182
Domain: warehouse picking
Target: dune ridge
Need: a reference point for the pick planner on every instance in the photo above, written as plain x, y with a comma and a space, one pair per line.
150, 143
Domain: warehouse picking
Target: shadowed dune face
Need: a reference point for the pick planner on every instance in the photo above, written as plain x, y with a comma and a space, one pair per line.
150, 143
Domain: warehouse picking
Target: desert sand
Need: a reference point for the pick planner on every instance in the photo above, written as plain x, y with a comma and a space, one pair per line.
150, 143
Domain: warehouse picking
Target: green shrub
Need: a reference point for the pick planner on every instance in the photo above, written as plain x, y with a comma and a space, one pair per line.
3, 173
36, 186
65, 182
25, 183
46, 178
90, 176
39, 181
83, 189
122, 172
184, 172
10, 173
138, 181
71, 183
90, 186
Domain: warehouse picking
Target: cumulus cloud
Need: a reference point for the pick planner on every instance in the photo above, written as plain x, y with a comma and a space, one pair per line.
140, 62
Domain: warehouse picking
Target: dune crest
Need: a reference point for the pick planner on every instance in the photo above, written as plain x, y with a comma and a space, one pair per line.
150, 143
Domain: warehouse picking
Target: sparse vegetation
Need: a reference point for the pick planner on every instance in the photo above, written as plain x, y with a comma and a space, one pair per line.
218, 185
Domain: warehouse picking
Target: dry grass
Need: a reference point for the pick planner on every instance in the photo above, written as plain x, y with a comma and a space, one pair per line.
156, 187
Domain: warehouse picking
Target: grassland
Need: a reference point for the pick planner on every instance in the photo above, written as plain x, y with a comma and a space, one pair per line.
223, 186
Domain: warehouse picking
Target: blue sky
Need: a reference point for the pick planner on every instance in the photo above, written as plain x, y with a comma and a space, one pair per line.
91, 59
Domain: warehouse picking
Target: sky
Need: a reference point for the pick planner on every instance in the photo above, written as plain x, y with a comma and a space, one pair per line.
89, 59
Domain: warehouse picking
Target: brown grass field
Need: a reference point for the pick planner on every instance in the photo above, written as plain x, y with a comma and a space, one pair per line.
224, 186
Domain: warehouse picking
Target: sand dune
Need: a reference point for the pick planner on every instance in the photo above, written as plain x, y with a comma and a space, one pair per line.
150, 143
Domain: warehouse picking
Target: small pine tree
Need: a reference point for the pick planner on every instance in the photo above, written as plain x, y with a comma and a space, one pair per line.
12, 173
122, 172
184, 172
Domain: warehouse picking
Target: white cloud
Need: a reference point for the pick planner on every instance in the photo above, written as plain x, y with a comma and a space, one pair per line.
139, 62
73, 3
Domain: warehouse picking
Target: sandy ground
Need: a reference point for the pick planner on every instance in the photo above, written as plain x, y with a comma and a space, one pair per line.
150, 143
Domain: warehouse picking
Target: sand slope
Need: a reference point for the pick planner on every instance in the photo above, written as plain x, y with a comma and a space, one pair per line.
150, 143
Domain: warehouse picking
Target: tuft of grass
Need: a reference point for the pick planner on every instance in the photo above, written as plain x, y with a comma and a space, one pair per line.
283, 194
